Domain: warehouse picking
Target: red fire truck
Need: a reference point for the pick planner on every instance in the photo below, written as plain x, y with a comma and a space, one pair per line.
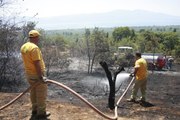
154, 60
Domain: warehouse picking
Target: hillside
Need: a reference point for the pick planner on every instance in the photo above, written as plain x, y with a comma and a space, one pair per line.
109, 19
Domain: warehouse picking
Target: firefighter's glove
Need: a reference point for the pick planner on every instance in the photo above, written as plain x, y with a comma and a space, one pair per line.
43, 79
132, 75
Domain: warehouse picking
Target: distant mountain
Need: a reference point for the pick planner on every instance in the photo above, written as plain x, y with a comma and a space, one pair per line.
109, 19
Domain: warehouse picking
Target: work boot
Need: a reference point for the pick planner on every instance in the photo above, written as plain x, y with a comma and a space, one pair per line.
43, 116
131, 100
142, 101
34, 113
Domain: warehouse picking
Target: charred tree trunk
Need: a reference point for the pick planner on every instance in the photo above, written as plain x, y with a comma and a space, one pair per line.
111, 99
112, 83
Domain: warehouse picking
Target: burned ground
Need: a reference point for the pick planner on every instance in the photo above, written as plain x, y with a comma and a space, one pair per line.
163, 98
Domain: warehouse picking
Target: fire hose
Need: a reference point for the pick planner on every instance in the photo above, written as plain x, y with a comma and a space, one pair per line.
115, 117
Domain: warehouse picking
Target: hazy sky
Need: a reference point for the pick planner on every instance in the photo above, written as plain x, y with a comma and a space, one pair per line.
47, 8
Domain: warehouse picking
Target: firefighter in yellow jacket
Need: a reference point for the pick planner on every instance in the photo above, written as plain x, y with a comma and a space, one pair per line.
35, 73
140, 72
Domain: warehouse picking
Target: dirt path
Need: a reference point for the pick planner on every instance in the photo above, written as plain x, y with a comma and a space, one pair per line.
20, 110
